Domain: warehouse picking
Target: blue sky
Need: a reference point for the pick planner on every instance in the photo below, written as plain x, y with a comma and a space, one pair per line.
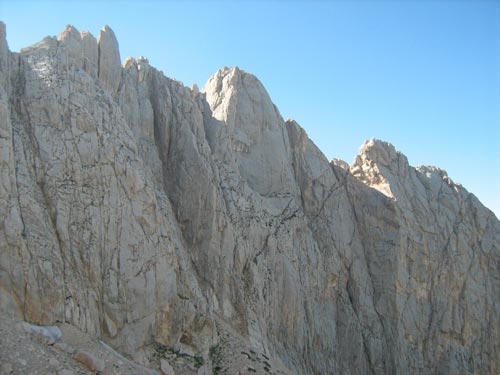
423, 75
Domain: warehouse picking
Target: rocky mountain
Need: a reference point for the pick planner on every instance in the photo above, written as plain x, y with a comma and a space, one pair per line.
172, 223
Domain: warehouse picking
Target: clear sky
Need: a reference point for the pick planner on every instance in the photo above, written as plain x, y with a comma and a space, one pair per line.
423, 75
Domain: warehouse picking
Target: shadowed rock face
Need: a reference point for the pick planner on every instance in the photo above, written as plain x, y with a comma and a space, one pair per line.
144, 212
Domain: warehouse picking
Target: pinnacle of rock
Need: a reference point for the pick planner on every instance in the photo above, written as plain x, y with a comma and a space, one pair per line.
4, 48
378, 163
81, 49
70, 32
109, 59
379, 151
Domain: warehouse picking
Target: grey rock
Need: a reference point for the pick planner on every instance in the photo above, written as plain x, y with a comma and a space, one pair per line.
109, 59
54, 362
4, 48
254, 129
6, 368
51, 334
81, 50
341, 164
63, 347
166, 368
148, 214
90, 361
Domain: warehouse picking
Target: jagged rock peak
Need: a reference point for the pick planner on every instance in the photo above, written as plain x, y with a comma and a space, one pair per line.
229, 79
2, 29
81, 49
431, 169
109, 59
437, 174
108, 32
229, 71
341, 164
70, 32
378, 163
381, 152
255, 128
380, 166
297, 134
236, 76
3, 33
4, 48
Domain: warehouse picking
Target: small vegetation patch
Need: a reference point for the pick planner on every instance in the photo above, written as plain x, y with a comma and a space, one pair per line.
215, 355
162, 351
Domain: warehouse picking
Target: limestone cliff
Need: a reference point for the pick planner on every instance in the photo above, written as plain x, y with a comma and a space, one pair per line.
151, 215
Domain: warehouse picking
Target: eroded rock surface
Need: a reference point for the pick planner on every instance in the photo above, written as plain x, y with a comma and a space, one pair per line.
199, 228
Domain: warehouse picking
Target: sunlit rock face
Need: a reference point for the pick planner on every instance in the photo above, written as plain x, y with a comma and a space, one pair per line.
147, 213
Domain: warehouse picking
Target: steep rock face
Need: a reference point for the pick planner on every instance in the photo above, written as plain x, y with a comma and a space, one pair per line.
144, 212
343, 304
90, 240
446, 288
